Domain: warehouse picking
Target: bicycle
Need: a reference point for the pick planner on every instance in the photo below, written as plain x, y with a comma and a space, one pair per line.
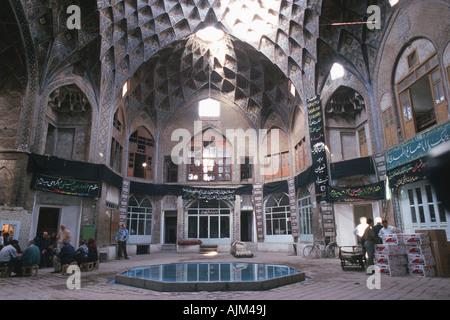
314, 251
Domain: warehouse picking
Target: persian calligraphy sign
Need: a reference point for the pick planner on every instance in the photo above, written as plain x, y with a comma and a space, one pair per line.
208, 194
373, 191
66, 186
408, 173
318, 152
417, 147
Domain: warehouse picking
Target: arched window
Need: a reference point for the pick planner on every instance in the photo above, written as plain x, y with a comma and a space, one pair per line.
140, 156
278, 215
209, 219
139, 218
419, 88
210, 158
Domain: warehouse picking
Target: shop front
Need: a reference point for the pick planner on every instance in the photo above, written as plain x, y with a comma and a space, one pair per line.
416, 203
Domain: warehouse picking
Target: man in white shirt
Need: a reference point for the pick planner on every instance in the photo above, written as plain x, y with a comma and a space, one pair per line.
387, 229
9, 256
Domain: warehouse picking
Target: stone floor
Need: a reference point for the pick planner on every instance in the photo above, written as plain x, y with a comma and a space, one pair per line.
326, 281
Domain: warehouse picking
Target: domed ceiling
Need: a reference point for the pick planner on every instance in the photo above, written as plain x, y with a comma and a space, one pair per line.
153, 43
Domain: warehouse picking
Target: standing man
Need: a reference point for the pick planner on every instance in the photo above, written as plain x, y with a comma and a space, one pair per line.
122, 238
63, 234
370, 239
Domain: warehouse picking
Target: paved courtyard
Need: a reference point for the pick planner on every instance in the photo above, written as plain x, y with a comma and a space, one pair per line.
326, 281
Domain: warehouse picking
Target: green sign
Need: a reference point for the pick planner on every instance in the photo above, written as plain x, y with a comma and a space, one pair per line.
417, 147
88, 231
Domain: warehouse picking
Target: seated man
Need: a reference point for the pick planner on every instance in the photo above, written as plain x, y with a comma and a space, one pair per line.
65, 256
93, 253
81, 254
31, 256
9, 256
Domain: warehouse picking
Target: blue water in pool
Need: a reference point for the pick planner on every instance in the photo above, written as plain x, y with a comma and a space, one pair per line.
211, 272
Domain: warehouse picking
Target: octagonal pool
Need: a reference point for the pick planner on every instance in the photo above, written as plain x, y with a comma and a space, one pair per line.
218, 276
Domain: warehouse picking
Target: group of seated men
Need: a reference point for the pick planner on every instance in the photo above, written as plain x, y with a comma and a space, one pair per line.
37, 254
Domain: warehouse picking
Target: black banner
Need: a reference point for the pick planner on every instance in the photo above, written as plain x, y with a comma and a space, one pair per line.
188, 192
72, 170
208, 194
370, 192
66, 186
318, 152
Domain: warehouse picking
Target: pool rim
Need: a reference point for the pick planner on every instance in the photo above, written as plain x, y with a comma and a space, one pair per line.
252, 285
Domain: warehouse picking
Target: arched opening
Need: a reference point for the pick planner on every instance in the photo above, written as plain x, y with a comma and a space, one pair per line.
347, 125
419, 89
141, 151
68, 124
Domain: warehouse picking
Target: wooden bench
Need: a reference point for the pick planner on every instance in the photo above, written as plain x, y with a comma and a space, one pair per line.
30, 271
96, 264
66, 266
87, 266
4, 272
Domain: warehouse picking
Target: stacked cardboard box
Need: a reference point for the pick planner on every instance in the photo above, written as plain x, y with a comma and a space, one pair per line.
420, 258
440, 250
390, 256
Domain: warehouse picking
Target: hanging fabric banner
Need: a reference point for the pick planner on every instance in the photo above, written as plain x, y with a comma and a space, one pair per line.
408, 173
370, 192
210, 193
66, 186
318, 151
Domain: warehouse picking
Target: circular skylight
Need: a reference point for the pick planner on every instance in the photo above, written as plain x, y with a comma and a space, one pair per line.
210, 34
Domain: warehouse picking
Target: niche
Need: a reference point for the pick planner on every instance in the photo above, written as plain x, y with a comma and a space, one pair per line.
68, 124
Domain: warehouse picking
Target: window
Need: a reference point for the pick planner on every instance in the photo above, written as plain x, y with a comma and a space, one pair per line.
140, 154
412, 59
337, 71
300, 155
246, 168
277, 165
421, 96
210, 159
305, 215
139, 218
117, 121
278, 215
362, 142
209, 219
115, 160
390, 130
209, 109
421, 208
170, 170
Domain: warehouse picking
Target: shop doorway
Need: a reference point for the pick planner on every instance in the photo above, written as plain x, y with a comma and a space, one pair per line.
170, 227
48, 220
246, 225
362, 211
